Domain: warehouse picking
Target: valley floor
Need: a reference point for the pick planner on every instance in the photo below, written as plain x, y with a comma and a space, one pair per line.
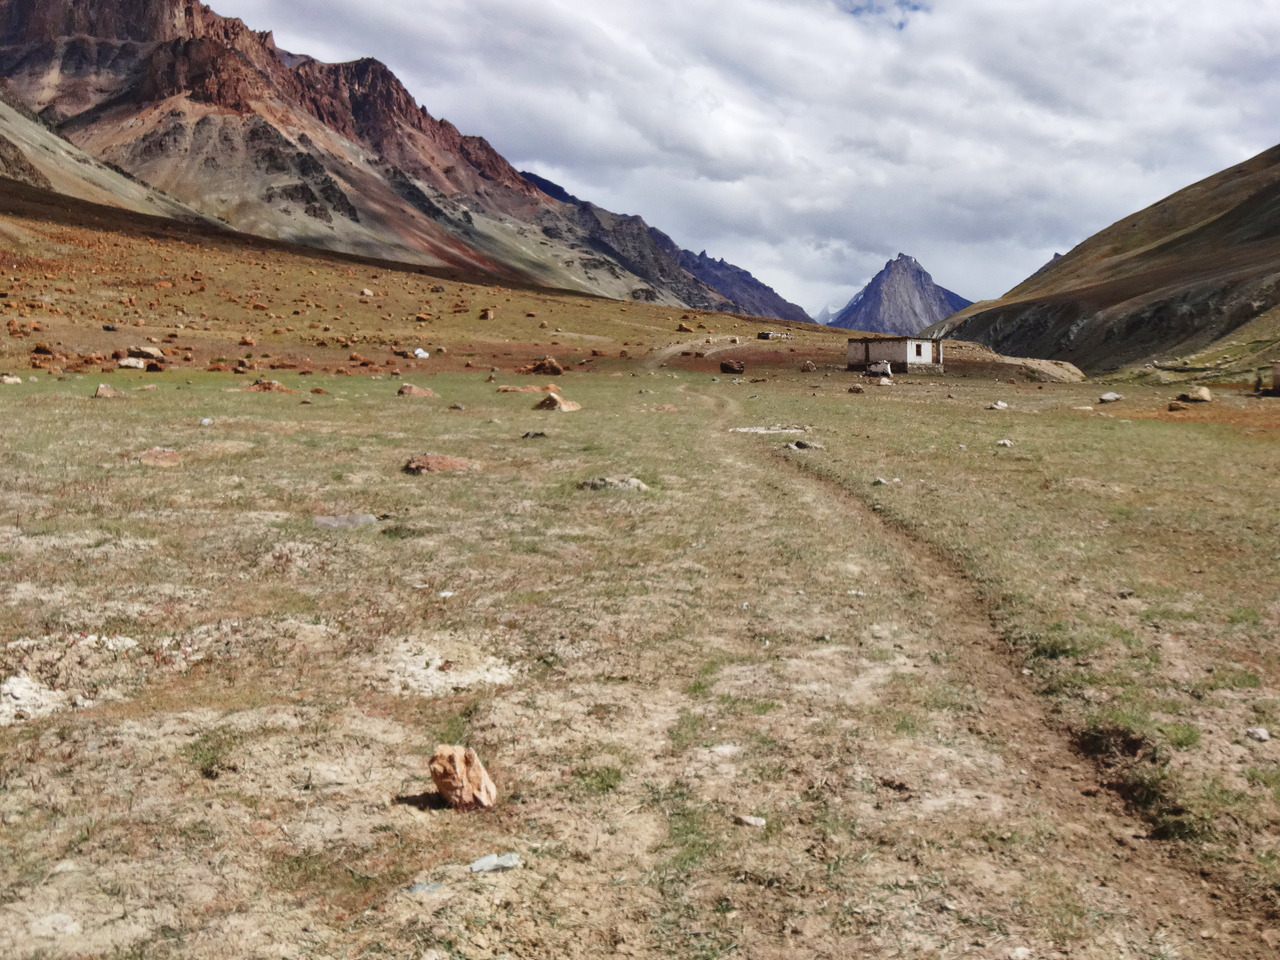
1004, 704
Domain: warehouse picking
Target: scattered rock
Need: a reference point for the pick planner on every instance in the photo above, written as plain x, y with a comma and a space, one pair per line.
879, 482
493, 863
684, 328
439, 463
856, 389
488, 313
667, 408
426, 887
268, 386
554, 401
346, 521
1111, 398
732, 366
534, 435
808, 367
458, 406
146, 353
206, 421
1261, 734
999, 405
107, 392
10, 380
1196, 395
1004, 443
366, 292
1124, 593
884, 382
461, 779
614, 483
544, 367
805, 445
409, 390
1019, 953
758, 822
421, 354
131, 363
1176, 405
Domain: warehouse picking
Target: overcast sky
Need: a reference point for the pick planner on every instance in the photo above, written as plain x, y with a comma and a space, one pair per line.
811, 140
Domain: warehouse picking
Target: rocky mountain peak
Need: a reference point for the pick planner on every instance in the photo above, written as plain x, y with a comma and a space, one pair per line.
901, 299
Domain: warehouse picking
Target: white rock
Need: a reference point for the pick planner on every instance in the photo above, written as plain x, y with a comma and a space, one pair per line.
880, 482
54, 925
366, 292
999, 405
421, 354
1261, 734
1018, 953
131, 363
758, 822
492, 863
1111, 398
1004, 443
206, 421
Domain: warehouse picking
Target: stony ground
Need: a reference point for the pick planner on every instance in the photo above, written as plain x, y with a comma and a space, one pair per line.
220, 710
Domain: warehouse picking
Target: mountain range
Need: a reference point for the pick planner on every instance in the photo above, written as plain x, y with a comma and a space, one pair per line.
1191, 281
196, 115
901, 299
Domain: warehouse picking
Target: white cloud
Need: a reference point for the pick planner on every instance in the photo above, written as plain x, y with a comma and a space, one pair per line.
811, 140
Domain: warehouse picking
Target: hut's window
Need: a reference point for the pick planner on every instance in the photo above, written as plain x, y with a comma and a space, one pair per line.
919, 349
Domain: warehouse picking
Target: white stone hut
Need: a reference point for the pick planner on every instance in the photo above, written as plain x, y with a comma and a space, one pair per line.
904, 354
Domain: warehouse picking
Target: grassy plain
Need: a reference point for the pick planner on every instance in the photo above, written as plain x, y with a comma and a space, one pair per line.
996, 704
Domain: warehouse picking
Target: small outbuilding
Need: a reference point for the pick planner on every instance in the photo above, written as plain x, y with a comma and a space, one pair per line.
904, 354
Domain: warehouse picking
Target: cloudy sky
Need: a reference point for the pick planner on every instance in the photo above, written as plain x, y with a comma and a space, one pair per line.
811, 140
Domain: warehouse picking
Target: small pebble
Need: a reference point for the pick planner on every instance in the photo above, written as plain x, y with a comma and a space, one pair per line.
1261, 734
757, 822
492, 863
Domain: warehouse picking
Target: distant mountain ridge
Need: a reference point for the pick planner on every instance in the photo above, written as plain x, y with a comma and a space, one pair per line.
735, 284
901, 299
340, 156
1172, 280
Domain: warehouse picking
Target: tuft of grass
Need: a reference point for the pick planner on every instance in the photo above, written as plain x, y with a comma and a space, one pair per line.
210, 752
1180, 736
597, 780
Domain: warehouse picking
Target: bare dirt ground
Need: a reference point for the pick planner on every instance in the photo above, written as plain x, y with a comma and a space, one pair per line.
218, 745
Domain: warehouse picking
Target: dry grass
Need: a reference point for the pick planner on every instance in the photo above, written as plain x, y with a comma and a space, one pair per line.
762, 633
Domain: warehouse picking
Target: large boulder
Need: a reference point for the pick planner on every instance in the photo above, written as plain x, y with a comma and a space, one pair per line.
461, 778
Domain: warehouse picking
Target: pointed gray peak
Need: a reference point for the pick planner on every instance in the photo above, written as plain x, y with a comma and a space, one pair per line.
901, 299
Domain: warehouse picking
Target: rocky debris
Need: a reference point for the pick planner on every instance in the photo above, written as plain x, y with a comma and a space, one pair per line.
1019, 953
614, 483
22, 698
998, 405
268, 386
10, 380
808, 367
543, 367
366, 292
1260, 734
421, 354
107, 392
146, 353
426, 888
758, 823
857, 389
461, 779
554, 401
732, 366
549, 388
805, 445
439, 463
684, 328
769, 430
409, 390
1177, 405
488, 313
1004, 443
1111, 397
534, 435
1196, 395
882, 482
346, 521
493, 863
131, 363
667, 408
